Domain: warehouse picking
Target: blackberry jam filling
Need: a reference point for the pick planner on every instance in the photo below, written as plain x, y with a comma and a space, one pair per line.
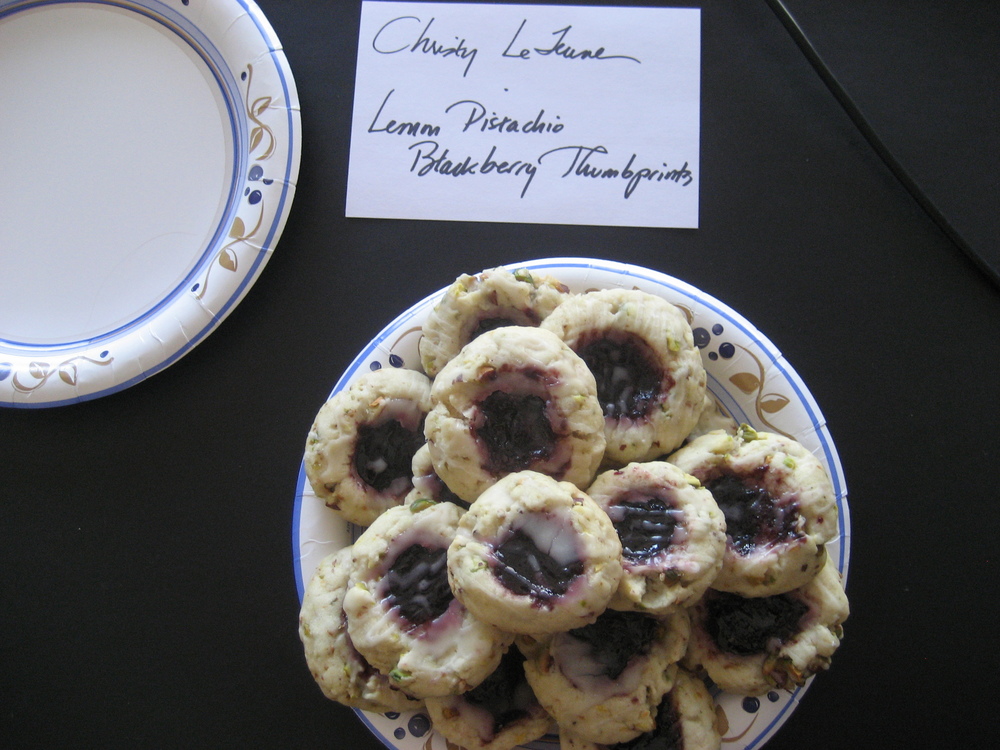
515, 430
443, 493
417, 583
628, 379
752, 517
615, 638
505, 693
744, 627
527, 571
514, 318
489, 324
666, 736
645, 526
384, 453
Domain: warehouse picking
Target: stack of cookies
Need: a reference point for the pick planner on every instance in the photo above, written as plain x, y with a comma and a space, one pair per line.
562, 529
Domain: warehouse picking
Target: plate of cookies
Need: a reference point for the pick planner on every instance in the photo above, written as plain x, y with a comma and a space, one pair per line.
570, 503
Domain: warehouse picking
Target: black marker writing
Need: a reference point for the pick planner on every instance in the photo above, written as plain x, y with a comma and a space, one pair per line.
560, 48
506, 167
579, 163
393, 127
683, 176
429, 158
427, 161
476, 116
399, 28
581, 166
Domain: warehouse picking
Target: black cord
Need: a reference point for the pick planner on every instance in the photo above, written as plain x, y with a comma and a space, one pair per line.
862, 124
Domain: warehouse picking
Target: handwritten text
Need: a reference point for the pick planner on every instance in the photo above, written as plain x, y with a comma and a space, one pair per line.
560, 48
390, 40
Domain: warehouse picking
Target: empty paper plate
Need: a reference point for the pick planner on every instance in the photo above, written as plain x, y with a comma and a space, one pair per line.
148, 158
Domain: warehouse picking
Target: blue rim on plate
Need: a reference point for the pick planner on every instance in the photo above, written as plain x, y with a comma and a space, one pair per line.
747, 375
234, 45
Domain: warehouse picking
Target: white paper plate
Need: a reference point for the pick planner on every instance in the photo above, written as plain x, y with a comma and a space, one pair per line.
747, 375
148, 154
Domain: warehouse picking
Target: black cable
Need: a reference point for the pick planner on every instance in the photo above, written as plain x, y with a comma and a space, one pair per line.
862, 124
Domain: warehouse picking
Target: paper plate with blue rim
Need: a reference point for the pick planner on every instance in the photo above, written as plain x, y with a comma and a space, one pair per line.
149, 152
748, 377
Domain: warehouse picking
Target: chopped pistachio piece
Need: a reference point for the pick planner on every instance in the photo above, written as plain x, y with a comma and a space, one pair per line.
522, 274
421, 503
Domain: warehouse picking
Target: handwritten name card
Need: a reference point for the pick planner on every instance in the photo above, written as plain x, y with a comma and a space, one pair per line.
536, 114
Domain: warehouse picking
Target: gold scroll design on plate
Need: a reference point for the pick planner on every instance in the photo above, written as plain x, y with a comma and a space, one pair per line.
42, 372
752, 384
260, 134
397, 344
722, 725
686, 311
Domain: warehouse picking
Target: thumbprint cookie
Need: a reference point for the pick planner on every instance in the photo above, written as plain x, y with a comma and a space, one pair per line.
750, 645
533, 555
779, 504
360, 449
686, 718
604, 681
340, 671
514, 399
650, 376
672, 532
500, 713
474, 304
401, 613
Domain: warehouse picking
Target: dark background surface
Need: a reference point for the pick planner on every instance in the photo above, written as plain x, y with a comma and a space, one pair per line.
147, 596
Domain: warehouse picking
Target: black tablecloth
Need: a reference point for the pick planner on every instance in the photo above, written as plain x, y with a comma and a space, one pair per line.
146, 568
